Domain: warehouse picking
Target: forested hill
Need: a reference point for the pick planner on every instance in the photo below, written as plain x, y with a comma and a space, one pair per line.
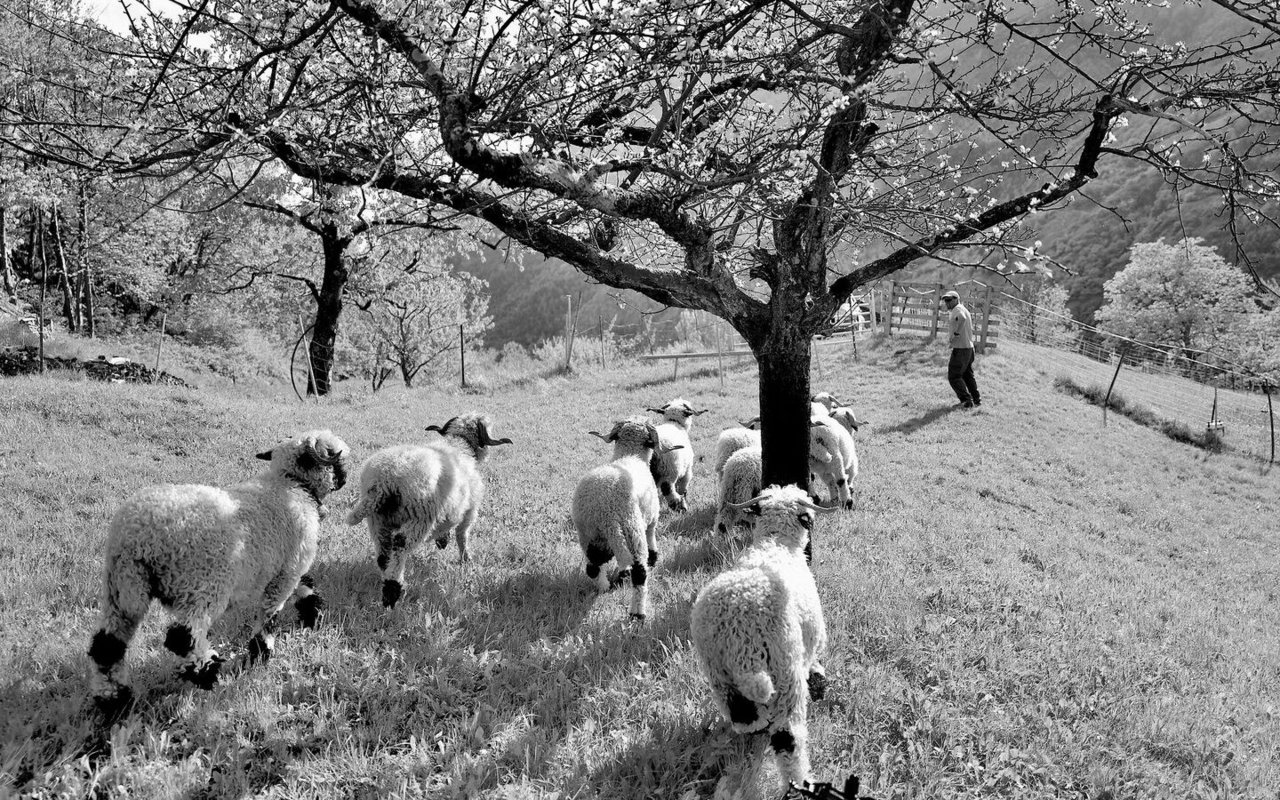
527, 299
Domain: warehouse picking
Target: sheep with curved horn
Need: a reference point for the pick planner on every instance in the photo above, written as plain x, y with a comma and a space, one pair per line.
412, 492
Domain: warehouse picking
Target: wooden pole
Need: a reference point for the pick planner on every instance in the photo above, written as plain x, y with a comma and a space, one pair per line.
1266, 389
311, 373
462, 356
568, 329
44, 281
937, 311
1106, 401
986, 318
720, 356
164, 317
600, 321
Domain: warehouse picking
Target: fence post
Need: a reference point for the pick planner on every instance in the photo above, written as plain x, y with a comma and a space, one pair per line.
164, 317
1106, 401
462, 357
986, 318
600, 320
1271, 414
937, 303
874, 317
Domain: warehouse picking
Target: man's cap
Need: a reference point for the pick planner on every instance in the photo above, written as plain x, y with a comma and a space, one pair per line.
950, 296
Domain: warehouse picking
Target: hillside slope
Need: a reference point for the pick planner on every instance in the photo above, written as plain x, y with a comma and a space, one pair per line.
1023, 604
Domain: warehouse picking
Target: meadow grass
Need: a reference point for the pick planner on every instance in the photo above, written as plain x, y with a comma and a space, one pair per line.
1022, 604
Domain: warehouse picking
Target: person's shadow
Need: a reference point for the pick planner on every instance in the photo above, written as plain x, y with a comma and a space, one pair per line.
916, 423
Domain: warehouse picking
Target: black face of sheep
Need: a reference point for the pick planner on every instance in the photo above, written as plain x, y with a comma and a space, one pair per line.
474, 430
314, 454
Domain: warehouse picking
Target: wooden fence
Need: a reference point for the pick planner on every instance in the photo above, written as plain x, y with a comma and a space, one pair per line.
917, 307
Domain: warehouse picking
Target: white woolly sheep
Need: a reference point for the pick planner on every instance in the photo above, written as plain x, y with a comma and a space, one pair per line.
845, 416
759, 632
409, 492
615, 511
827, 399
739, 482
833, 458
198, 549
672, 465
731, 440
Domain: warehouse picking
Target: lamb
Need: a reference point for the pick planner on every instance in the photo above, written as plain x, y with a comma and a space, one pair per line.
739, 482
731, 440
672, 464
845, 416
615, 510
198, 549
409, 492
759, 632
825, 399
833, 458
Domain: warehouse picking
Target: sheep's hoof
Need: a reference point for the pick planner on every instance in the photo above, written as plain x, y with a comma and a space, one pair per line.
848, 505
258, 651
442, 543
391, 591
637, 617
309, 609
653, 557
110, 709
619, 577
206, 675
817, 686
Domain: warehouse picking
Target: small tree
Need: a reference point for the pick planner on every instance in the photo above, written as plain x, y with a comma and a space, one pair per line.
1183, 295
412, 315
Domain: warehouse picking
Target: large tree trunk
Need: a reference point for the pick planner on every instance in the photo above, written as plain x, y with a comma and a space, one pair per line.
6, 266
328, 308
783, 358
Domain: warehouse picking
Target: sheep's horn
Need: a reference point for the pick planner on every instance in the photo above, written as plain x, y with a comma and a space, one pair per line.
812, 506
486, 439
703, 411
741, 506
435, 428
749, 423
816, 423
668, 448
265, 455
656, 410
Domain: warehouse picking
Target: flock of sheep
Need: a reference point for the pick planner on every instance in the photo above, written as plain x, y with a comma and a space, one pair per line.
757, 628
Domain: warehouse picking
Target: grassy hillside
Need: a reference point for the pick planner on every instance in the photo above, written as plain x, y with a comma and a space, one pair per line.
1022, 604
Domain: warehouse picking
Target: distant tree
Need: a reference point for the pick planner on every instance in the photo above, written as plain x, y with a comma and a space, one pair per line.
1184, 295
413, 314
1254, 343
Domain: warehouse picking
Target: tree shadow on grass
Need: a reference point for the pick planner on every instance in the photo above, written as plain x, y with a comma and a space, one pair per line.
711, 552
693, 755
528, 606
916, 423
689, 524
701, 372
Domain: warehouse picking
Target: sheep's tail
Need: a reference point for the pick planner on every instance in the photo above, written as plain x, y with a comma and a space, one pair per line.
744, 696
359, 511
755, 686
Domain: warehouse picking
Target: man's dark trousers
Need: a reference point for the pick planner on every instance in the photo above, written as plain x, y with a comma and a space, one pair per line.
960, 375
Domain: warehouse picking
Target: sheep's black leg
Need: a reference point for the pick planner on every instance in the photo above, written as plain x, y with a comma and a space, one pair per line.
741, 710
598, 554
640, 591
263, 642
817, 685
114, 698
391, 560
309, 603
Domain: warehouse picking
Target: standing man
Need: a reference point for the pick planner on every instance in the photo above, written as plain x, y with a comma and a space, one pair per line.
960, 368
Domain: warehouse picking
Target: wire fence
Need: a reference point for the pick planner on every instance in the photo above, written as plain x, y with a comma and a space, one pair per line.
1194, 388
